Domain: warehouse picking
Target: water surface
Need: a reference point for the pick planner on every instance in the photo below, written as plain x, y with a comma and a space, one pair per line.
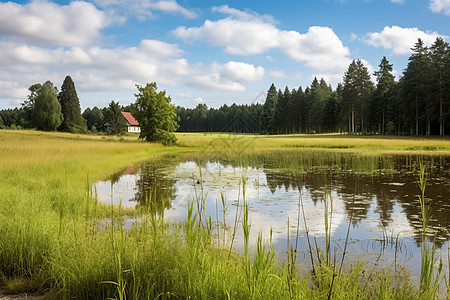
376, 195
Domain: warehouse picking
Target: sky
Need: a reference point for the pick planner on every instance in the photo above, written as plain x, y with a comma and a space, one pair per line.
211, 52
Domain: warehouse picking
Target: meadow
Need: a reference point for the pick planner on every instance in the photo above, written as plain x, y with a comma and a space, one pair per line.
51, 241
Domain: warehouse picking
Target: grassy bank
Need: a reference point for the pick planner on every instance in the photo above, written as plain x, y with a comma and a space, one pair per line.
51, 241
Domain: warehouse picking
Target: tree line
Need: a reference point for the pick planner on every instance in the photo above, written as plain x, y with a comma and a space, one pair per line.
49, 110
416, 104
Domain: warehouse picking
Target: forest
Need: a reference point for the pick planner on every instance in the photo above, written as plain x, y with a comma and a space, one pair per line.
418, 103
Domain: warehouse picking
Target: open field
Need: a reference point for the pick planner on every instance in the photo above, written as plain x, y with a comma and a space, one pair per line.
325, 141
51, 241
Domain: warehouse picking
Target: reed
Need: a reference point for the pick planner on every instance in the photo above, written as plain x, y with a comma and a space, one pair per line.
429, 276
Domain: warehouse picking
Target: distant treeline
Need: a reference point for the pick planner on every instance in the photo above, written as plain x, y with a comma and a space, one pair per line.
417, 104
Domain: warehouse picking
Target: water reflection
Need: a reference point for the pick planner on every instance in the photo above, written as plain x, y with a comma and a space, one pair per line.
382, 201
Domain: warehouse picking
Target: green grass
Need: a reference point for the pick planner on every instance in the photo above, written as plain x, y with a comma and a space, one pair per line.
54, 239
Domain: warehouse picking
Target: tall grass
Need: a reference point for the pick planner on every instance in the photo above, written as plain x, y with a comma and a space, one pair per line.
54, 238
429, 276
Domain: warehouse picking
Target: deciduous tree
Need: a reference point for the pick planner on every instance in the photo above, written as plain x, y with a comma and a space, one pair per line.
155, 114
45, 110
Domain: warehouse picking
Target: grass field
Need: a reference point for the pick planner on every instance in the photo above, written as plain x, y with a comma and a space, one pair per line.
50, 241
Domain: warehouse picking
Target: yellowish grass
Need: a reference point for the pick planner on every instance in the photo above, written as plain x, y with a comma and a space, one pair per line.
325, 141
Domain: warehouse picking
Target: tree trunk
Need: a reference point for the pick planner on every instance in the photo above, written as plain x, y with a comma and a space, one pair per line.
441, 121
353, 119
362, 119
417, 114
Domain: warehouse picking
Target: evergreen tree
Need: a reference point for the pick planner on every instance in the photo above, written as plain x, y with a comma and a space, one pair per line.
320, 92
356, 92
45, 110
439, 52
269, 109
113, 116
383, 95
281, 112
293, 117
70, 108
414, 88
329, 115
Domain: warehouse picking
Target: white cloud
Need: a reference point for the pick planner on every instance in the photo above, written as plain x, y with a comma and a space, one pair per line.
277, 74
184, 95
400, 40
246, 33
320, 48
144, 9
43, 22
237, 36
172, 7
226, 77
398, 1
116, 69
239, 71
440, 6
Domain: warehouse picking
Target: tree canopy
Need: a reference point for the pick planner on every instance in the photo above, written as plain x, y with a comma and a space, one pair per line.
45, 110
155, 114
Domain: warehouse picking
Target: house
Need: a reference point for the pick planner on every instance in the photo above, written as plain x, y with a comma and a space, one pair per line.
131, 122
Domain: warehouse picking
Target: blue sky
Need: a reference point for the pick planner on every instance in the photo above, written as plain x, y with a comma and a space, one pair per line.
212, 52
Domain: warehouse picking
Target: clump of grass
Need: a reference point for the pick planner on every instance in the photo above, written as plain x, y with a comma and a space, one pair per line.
429, 277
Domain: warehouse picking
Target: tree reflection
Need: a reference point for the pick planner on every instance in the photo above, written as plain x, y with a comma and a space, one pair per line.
154, 187
359, 191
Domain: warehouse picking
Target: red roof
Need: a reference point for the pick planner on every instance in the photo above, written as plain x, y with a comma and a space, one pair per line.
130, 118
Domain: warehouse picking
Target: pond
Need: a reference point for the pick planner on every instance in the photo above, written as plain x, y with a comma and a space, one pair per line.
374, 197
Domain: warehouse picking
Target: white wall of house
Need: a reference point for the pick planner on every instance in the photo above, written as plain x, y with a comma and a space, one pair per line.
134, 129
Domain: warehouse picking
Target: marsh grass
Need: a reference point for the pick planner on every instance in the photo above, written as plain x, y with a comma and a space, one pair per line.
53, 241
429, 276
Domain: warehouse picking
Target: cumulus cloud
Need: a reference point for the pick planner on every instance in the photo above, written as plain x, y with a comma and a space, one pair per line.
277, 74
116, 69
43, 22
227, 77
400, 40
144, 9
239, 71
247, 33
237, 36
398, 1
440, 6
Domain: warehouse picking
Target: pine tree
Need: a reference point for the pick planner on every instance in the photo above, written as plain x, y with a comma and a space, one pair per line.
281, 111
356, 92
438, 56
269, 109
383, 94
70, 108
414, 87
